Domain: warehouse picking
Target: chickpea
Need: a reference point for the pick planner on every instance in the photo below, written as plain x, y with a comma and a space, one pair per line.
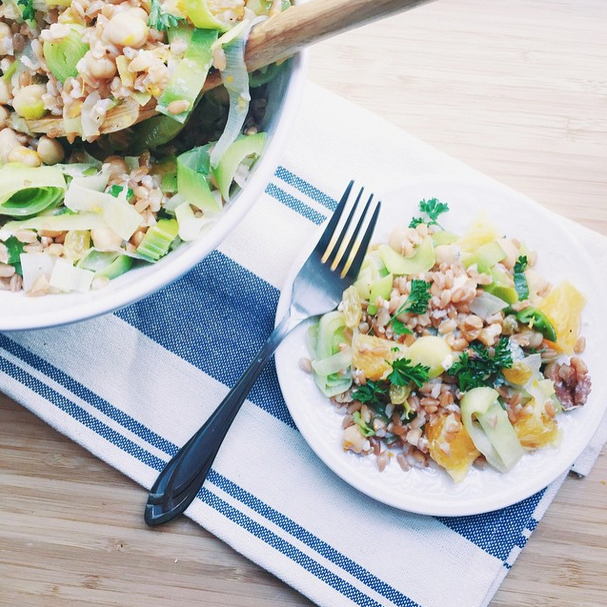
28, 101
50, 151
127, 29
4, 114
6, 92
5, 35
8, 141
105, 239
102, 68
25, 156
117, 167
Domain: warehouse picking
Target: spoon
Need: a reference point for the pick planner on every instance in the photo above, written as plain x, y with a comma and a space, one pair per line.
274, 39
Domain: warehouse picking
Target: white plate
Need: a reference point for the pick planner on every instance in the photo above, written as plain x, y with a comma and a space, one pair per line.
431, 491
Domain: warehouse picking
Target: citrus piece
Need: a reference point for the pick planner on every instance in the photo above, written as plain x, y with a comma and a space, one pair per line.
518, 374
537, 429
563, 306
457, 455
374, 355
481, 232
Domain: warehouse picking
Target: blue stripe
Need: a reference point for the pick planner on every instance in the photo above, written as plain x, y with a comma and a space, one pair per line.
217, 327
214, 477
295, 204
497, 532
296, 555
81, 391
302, 534
306, 188
80, 415
144, 456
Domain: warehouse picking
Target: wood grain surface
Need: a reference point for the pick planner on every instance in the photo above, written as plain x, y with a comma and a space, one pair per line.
515, 88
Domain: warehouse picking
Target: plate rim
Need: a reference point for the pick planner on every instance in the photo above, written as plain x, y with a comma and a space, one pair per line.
468, 506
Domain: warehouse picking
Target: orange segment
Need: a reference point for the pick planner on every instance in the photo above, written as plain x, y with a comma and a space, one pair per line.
563, 306
518, 374
374, 355
456, 455
537, 429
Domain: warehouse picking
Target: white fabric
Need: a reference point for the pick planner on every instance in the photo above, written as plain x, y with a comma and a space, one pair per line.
134, 385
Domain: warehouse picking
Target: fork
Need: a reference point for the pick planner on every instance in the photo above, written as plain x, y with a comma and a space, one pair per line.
317, 289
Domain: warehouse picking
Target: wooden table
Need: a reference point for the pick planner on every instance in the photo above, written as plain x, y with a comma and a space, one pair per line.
515, 88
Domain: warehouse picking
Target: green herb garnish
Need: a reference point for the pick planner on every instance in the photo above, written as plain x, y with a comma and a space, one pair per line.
27, 12
481, 368
433, 208
404, 372
520, 280
372, 394
161, 21
14, 248
115, 190
416, 303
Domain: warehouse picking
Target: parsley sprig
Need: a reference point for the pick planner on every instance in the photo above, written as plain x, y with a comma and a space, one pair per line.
520, 280
481, 367
416, 303
160, 20
372, 394
433, 208
405, 372
28, 12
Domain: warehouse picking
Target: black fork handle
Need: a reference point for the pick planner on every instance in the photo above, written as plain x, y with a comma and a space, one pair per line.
182, 478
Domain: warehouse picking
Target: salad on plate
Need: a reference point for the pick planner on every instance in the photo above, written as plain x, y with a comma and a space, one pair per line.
451, 350
110, 155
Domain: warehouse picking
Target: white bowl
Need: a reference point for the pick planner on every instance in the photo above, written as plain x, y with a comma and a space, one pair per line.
18, 311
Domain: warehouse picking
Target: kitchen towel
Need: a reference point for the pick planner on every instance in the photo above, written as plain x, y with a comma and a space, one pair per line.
132, 386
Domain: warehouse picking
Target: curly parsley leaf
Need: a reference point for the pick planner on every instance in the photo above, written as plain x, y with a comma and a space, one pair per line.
404, 372
161, 21
482, 367
372, 394
433, 208
520, 280
416, 303
27, 12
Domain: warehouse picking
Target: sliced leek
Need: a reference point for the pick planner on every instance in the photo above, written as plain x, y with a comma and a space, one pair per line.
26, 191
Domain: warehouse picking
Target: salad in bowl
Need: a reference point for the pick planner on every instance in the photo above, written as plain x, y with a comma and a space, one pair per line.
451, 350
112, 160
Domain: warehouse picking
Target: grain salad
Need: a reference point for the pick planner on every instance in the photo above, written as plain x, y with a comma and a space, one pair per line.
100, 168
451, 350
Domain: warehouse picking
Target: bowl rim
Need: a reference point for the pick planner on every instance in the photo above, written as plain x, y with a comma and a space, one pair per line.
187, 259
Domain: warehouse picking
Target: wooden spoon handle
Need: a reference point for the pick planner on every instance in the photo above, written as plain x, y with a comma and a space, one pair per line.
288, 32
276, 38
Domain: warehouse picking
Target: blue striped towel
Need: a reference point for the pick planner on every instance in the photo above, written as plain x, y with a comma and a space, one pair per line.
132, 386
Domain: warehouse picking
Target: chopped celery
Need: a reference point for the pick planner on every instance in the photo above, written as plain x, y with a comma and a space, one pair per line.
189, 76
158, 239
107, 264
62, 56
25, 191
68, 278
193, 180
245, 146
380, 288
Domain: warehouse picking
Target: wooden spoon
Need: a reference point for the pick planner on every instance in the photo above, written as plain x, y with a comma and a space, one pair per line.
276, 38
